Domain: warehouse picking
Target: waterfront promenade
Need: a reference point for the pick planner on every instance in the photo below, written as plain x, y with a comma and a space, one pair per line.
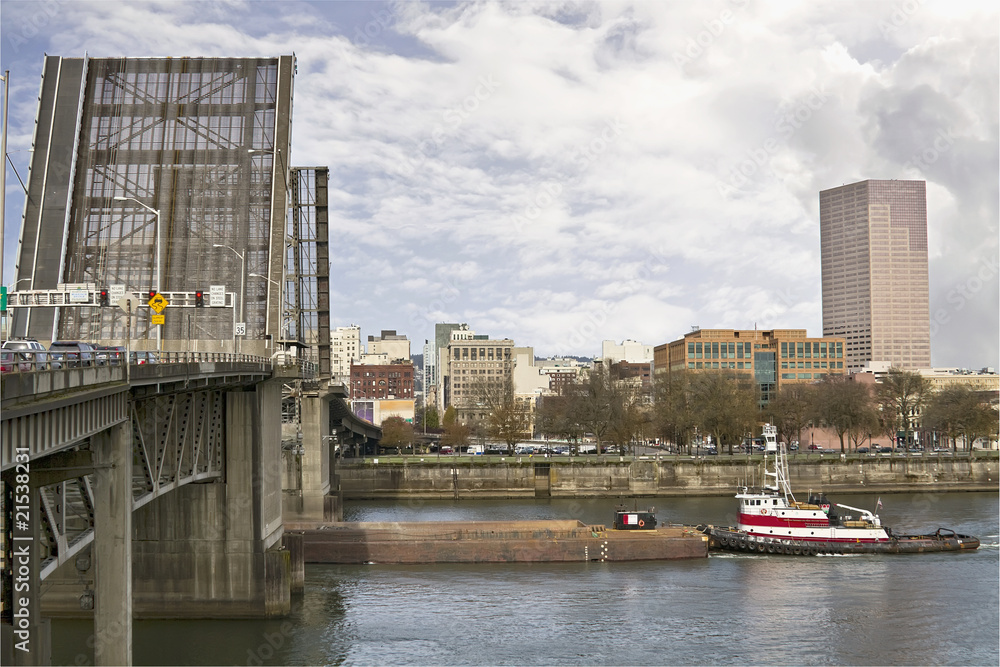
464, 476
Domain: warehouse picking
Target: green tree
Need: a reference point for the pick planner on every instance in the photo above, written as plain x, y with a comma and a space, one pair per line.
432, 420
456, 435
845, 406
396, 433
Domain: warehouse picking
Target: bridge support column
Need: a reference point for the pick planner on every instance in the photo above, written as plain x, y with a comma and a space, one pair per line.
314, 499
214, 550
113, 546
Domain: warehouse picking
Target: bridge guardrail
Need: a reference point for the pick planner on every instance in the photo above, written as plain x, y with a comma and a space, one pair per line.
30, 361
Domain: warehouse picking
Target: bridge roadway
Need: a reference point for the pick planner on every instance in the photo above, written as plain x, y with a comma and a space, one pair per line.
195, 439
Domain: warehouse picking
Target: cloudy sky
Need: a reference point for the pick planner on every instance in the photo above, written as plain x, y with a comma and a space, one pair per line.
561, 173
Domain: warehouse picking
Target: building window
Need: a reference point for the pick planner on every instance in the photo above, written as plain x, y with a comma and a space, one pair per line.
690, 350
697, 351
784, 350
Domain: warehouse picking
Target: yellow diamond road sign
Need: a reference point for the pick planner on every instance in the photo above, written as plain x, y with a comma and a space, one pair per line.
159, 319
158, 303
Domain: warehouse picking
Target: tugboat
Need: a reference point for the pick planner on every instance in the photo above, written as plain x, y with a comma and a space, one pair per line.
772, 521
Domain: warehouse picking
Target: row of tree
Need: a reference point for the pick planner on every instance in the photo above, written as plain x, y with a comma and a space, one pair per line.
684, 408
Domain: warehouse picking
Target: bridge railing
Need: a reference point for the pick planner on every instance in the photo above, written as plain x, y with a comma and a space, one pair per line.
29, 361
291, 364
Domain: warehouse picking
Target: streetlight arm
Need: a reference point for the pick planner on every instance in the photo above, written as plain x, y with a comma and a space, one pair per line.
152, 210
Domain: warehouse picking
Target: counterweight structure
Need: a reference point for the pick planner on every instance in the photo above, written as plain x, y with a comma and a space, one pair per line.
308, 262
169, 166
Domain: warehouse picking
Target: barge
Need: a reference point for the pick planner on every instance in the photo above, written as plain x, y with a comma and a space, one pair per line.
772, 521
541, 541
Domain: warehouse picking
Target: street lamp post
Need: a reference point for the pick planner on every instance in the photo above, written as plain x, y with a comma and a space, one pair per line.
10, 290
242, 256
159, 259
281, 296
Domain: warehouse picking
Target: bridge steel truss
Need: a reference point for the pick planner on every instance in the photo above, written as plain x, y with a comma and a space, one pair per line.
177, 431
176, 164
307, 258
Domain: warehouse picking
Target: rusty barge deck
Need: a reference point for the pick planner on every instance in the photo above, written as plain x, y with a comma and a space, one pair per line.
493, 542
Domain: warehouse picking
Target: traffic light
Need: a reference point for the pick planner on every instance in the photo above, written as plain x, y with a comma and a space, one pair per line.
104, 297
199, 299
152, 293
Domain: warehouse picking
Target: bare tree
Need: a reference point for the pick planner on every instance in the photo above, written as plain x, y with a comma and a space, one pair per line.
790, 411
725, 405
505, 417
901, 395
846, 407
960, 410
673, 416
555, 417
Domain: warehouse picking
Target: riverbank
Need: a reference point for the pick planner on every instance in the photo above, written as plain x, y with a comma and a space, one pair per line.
524, 477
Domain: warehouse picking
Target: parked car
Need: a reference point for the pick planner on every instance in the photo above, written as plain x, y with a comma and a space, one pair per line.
71, 354
6, 361
862, 450
142, 357
815, 447
110, 355
27, 352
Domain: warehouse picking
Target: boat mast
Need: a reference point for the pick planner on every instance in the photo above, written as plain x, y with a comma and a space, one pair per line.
776, 479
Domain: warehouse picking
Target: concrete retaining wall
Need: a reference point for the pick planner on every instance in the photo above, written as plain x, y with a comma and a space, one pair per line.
697, 477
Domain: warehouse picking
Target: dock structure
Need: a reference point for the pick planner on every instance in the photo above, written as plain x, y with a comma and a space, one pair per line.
493, 542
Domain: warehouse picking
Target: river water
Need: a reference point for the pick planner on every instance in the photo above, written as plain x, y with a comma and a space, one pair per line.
926, 609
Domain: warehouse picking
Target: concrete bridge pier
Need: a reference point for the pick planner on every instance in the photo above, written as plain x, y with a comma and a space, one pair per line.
310, 490
112, 546
214, 550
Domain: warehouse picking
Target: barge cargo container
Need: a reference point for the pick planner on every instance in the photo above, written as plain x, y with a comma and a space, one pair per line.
493, 542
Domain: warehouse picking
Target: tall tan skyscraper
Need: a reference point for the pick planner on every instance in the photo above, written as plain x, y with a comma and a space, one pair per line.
873, 241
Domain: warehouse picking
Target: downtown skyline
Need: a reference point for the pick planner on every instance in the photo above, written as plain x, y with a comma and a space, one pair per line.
565, 173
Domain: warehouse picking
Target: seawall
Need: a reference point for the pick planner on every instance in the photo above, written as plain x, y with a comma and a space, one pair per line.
470, 477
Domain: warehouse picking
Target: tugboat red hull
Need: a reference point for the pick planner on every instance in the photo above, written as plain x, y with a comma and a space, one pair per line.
733, 539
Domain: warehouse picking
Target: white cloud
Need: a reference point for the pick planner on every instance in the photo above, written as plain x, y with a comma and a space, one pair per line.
526, 167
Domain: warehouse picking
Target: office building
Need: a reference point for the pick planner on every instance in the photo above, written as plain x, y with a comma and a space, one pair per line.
873, 241
774, 357
345, 344
389, 343
631, 351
